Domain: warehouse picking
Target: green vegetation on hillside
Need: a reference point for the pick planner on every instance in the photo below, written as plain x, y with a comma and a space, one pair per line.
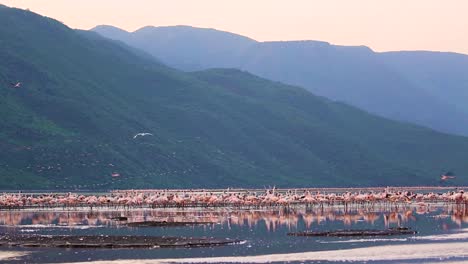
71, 124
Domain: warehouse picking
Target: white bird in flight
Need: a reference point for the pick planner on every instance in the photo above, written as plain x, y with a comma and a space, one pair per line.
142, 135
16, 85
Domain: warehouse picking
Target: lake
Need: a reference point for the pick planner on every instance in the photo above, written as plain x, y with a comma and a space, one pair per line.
440, 228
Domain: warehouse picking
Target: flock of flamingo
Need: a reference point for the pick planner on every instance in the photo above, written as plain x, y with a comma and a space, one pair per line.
272, 197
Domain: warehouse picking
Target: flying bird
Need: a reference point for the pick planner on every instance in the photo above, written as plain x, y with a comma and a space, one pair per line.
142, 135
16, 85
447, 176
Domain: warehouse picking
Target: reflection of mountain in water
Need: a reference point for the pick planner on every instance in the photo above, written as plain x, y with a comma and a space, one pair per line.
289, 218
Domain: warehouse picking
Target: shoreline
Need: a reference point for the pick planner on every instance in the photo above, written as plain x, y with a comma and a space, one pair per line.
231, 190
10, 255
313, 189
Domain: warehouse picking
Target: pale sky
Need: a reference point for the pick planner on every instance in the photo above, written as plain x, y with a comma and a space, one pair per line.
382, 25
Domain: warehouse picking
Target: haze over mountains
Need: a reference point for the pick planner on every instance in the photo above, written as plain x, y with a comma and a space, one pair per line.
426, 88
84, 97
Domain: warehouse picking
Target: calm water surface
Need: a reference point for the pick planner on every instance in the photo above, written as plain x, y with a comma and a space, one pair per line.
263, 231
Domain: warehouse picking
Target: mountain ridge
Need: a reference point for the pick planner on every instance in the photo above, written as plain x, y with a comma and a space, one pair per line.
370, 80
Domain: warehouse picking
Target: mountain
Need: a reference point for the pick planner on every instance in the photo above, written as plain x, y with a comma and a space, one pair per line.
441, 74
71, 124
184, 47
425, 88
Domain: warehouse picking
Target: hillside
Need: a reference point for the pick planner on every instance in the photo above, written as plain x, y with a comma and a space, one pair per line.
83, 98
441, 74
425, 88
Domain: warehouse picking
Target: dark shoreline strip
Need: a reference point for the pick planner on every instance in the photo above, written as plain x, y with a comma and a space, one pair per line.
350, 233
110, 241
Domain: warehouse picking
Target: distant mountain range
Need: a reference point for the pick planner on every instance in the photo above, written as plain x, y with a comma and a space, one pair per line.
426, 88
83, 97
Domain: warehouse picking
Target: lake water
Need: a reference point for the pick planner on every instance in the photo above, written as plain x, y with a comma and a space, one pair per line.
263, 232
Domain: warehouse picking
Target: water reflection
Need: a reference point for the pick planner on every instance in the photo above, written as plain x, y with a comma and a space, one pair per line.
270, 219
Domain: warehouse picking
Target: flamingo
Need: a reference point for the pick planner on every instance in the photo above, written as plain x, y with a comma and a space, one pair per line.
446, 177
270, 197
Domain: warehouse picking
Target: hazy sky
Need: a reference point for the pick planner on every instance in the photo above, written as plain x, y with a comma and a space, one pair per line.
380, 24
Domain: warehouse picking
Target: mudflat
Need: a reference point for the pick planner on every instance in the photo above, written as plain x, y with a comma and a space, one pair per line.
102, 241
